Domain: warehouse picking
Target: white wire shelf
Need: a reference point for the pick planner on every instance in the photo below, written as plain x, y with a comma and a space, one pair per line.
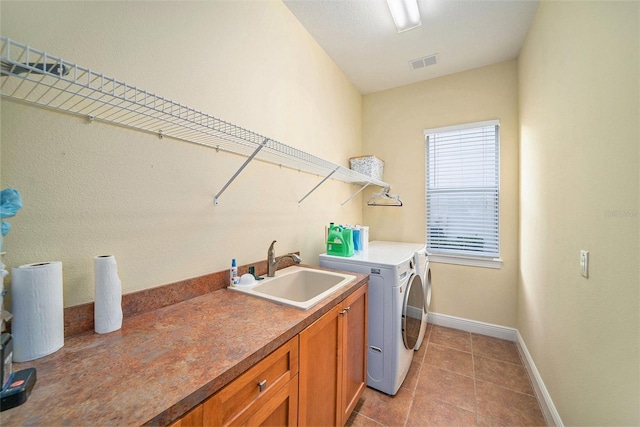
35, 77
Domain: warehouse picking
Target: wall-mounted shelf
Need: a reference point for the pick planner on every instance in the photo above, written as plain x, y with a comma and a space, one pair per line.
35, 77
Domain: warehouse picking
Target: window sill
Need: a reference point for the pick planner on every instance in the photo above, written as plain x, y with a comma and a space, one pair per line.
463, 260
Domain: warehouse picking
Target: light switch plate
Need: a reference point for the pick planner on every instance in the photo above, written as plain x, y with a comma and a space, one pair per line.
584, 263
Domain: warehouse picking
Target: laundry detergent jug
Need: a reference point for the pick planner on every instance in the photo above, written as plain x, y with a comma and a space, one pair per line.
340, 241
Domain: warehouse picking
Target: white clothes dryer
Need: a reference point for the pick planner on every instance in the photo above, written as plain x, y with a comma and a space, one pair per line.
396, 307
422, 269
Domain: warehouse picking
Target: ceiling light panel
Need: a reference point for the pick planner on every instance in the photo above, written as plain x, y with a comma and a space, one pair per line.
406, 14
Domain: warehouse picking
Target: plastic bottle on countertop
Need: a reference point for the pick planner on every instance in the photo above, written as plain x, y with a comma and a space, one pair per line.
233, 273
340, 241
357, 240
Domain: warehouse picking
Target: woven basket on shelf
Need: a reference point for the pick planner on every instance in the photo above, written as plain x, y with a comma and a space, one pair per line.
368, 165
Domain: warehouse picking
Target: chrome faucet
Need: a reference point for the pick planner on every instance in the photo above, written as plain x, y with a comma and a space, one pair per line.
273, 262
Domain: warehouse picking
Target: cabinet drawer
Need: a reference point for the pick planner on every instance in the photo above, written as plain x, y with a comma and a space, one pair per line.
240, 398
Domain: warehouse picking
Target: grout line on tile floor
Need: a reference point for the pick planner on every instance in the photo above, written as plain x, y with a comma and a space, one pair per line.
509, 389
444, 345
499, 360
446, 369
406, 418
425, 342
370, 419
475, 390
413, 392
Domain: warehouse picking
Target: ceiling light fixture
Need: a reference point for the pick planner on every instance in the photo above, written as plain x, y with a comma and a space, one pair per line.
405, 14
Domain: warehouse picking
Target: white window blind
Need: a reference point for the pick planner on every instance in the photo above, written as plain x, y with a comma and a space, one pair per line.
463, 190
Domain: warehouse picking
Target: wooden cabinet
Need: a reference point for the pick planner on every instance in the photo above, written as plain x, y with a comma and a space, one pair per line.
333, 363
319, 371
354, 371
267, 394
315, 379
192, 418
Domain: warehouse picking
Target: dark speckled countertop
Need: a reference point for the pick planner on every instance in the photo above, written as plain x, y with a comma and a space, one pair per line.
162, 363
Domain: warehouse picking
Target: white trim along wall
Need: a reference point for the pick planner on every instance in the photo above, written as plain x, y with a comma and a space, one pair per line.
551, 415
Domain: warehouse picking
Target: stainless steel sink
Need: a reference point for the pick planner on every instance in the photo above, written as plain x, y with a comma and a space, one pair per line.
297, 286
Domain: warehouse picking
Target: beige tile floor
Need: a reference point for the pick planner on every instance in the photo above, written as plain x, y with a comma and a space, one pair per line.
456, 379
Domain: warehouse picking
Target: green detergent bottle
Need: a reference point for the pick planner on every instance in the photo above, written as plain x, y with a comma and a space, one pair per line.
340, 241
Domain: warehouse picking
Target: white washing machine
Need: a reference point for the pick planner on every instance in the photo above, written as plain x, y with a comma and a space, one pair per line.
397, 315
422, 269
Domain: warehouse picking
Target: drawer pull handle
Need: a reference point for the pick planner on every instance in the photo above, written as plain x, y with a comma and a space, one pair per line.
343, 312
262, 385
348, 308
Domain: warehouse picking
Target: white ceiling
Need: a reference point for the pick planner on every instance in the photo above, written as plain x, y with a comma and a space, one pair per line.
359, 35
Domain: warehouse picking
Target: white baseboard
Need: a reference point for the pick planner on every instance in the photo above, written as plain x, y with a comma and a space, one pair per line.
473, 326
551, 415
415, 313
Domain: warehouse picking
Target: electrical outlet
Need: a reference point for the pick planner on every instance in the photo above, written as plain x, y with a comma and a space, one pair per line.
584, 263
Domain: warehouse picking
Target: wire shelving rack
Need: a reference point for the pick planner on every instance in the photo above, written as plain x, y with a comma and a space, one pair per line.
35, 77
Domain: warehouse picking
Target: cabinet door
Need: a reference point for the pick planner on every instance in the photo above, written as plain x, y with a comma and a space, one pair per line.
320, 371
354, 345
191, 419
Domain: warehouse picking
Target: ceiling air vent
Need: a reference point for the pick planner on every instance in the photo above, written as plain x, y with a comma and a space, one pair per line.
425, 61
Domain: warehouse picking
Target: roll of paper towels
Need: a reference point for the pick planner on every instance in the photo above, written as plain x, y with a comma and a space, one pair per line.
108, 306
38, 312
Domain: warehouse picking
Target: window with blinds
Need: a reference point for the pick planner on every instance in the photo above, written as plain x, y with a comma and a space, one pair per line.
463, 190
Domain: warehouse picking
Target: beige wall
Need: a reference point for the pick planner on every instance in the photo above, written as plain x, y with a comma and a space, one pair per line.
92, 189
579, 114
393, 124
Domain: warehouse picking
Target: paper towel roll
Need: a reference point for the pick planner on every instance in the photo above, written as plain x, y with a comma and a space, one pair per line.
108, 306
38, 312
